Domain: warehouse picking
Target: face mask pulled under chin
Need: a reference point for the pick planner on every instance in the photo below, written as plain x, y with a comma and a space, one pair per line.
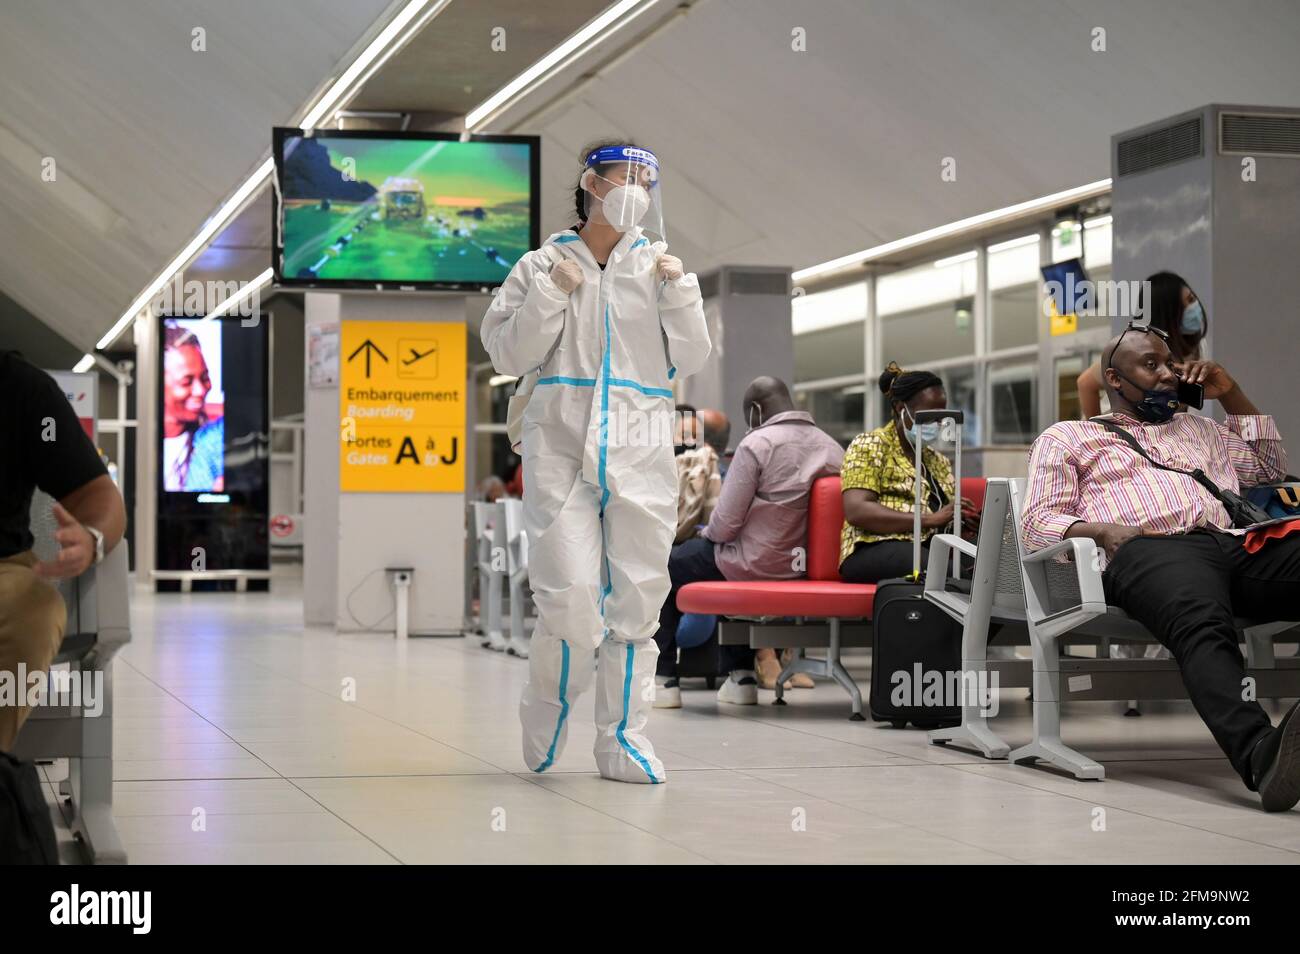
1158, 405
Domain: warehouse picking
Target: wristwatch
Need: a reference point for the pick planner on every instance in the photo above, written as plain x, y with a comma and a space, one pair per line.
99, 545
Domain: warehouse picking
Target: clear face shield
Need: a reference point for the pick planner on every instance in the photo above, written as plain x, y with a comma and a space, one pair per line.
622, 190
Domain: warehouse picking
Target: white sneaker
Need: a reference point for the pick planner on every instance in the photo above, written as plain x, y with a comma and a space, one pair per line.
740, 689
668, 694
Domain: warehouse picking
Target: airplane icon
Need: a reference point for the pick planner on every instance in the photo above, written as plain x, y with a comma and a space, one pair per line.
417, 355
418, 358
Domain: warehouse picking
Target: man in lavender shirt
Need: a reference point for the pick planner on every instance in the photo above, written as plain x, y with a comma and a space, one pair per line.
757, 528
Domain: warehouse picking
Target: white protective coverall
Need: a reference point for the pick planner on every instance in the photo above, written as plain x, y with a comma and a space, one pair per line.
600, 484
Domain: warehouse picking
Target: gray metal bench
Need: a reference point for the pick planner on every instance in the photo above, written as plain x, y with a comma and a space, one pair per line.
1063, 606
99, 624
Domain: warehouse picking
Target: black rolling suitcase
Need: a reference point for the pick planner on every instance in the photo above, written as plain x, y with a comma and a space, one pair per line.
911, 637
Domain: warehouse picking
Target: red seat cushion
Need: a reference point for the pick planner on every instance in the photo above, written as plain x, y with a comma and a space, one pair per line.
817, 598
974, 487
822, 594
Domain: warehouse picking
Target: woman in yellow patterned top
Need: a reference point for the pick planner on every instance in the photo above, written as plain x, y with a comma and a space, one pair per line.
879, 484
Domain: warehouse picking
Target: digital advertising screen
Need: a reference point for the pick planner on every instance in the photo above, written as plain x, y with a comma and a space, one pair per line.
213, 443
411, 210
193, 457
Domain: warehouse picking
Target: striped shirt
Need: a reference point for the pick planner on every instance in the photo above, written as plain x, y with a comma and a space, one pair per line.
1078, 470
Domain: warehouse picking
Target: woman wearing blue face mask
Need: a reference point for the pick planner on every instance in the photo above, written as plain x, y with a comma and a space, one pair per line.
1175, 310
878, 481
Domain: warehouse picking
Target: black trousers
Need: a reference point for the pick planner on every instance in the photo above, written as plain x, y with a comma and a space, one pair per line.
880, 560
1186, 589
690, 562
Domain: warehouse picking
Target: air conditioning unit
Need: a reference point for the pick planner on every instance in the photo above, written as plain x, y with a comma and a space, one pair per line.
1214, 195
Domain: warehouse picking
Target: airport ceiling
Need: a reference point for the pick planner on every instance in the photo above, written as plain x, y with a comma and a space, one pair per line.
771, 155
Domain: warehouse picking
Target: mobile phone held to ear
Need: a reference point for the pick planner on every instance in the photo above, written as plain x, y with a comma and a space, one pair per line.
1193, 395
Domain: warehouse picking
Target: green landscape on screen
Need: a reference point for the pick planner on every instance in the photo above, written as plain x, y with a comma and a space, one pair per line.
403, 211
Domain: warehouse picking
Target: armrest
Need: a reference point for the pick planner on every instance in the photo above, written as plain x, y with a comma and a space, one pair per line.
1092, 596
1056, 549
941, 547
951, 541
108, 589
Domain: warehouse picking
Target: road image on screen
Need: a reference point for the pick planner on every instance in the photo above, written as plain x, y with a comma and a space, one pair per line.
402, 210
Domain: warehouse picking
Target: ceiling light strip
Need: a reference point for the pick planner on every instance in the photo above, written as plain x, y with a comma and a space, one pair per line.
256, 285
953, 229
394, 36
589, 35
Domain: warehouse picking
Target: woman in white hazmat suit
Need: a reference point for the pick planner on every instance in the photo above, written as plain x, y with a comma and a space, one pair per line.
608, 320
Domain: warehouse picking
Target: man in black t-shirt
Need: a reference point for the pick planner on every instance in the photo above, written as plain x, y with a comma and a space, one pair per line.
42, 445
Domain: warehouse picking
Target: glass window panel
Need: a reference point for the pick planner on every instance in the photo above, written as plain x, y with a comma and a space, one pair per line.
1067, 388
838, 306
1013, 282
927, 312
830, 352
1014, 393
837, 411
1097, 262
960, 384
928, 334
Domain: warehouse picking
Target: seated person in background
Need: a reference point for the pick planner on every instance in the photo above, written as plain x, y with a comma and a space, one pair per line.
42, 445
717, 433
1173, 561
1175, 310
757, 528
879, 485
515, 485
698, 480
491, 488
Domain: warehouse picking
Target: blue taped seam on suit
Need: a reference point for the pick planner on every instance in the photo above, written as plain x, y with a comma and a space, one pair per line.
564, 707
644, 389
564, 239
616, 382
561, 379
627, 695
638, 243
600, 470
609, 580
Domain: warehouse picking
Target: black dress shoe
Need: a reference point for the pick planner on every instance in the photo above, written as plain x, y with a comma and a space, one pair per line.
1279, 782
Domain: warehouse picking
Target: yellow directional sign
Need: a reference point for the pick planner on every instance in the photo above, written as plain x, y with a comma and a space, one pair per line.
402, 407
1062, 324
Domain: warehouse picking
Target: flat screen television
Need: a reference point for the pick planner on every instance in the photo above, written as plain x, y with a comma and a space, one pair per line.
1067, 283
389, 210
213, 442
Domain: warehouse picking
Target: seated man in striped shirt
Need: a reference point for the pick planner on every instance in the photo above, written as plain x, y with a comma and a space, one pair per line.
1173, 561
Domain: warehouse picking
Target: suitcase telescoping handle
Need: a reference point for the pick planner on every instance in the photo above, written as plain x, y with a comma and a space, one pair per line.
931, 417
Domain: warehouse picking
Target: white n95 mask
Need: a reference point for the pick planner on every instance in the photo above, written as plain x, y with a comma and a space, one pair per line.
625, 206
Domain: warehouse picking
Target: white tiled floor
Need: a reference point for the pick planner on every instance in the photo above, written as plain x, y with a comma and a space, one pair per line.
228, 704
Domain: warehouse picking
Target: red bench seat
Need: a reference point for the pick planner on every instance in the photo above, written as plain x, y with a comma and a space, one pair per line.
821, 594
778, 598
